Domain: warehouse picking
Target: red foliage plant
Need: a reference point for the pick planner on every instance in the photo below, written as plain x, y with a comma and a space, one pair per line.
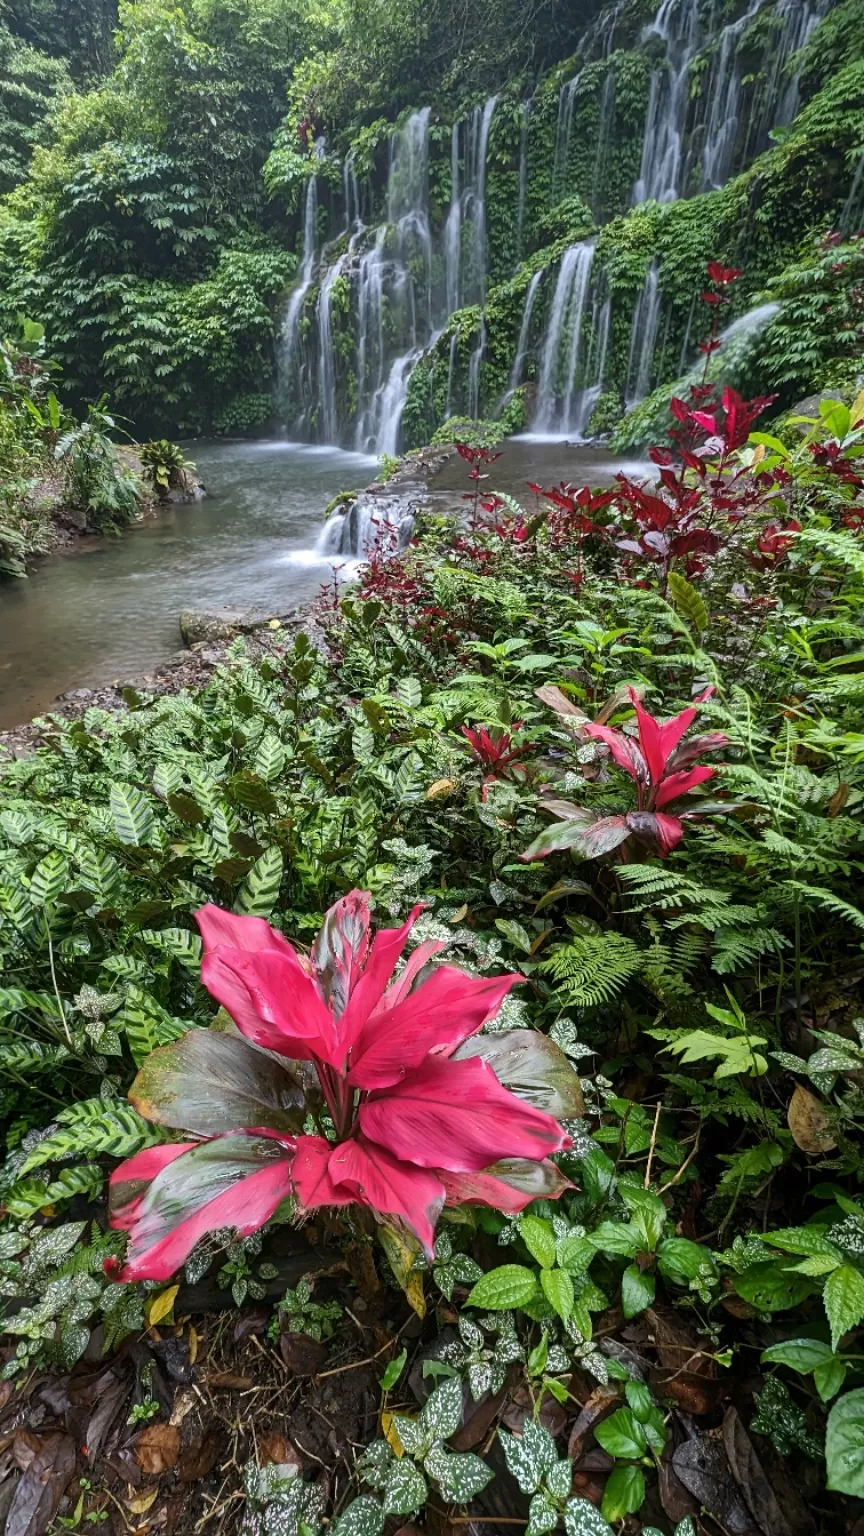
496, 752
412, 1108
663, 768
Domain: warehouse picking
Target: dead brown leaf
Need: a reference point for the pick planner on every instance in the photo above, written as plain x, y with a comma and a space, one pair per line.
274, 1449
25, 1446
157, 1448
227, 1381
747, 1471
695, 1394
703, 1467
37, 1497
199, 1458
302, 1355
142, 1501
600, 1403
807, 1122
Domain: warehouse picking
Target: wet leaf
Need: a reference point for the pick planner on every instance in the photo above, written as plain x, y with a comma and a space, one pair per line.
157, 1448
162, 1305
37, 1497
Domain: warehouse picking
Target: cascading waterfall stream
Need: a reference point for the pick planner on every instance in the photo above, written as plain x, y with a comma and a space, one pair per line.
556, 388
563, 135
524, 333
643, 338
676, 23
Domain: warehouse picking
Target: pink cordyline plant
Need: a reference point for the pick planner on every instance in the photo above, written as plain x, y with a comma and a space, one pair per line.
414, 1109
663, 768
496, 752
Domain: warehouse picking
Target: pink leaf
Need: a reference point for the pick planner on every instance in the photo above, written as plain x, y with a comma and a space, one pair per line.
341, 949
400, 989
393, 1188
676, 784
623, 749
456, 1115
130, 1182
273, 1001
387, 946
442, 1013
232, 1181
310, 1174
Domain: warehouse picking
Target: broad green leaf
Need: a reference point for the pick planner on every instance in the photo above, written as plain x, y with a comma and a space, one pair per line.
441, 1413
800, 1240
391, 1376
681, 1260
558, 1289
539, 1239
637, 1290
511, 1285
575, 1254
649, 1214
689, 603
362, 1517
259, 893
529, 1456
771, 1288
617, 1238
179, 943
210, 1083
829, 1378
622, 1435
49, 878
844, 1301
132, 814
624, 1493
844, 1445
803, 1355
405, 1489
459, 1477
146, 1024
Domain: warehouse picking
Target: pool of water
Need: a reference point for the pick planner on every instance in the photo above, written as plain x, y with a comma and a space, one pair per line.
109, 609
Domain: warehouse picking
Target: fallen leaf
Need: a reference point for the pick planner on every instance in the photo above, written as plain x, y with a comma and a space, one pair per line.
703, 1467
227, 1381
391, 1433
162, 1305
302, 1355
142, 1501
600, 1403
25, 1446
255, 1320
38, 1494
480, 1416
275, 1450
193, 1345
459, 915
807, 1122
174, 1355
157, 1448
696, 1394
199, 1459
403, 1251
748, 1474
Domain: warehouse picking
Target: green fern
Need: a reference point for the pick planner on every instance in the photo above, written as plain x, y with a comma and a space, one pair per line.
593, 968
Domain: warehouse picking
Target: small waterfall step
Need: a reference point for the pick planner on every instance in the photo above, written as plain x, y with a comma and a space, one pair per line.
375, 520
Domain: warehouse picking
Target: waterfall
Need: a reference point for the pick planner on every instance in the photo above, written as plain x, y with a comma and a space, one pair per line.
474, 374
453, 228
523, 180
351, 193
454, 347
371, 522
475, 193
604, 140
595, 367
289, 351
524, 332
326, 360
562, 341
721, 133
676, 24
643, 338
563, 134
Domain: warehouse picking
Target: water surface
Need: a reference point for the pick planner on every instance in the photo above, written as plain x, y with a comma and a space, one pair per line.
109, 609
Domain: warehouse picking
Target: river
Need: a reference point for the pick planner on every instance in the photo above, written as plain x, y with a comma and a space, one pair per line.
108, 609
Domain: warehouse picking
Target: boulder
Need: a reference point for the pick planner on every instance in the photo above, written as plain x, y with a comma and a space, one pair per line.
213, 626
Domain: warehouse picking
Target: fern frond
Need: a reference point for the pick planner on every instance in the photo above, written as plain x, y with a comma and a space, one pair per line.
593, 968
